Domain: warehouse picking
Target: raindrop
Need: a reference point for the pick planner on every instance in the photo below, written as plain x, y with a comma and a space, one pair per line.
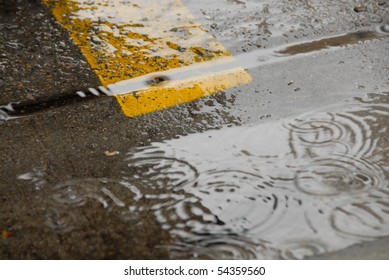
70, 197
338, 176
302, 248
383, 28
60, 220
330, 133
219, 247
163, 172
366, 219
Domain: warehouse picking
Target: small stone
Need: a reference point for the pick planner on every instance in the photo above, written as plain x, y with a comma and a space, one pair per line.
297, 89
20, 86
209, 103
359, 8
111, 154
290, 82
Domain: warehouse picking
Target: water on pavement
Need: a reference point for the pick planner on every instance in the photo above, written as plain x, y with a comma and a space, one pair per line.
287, 166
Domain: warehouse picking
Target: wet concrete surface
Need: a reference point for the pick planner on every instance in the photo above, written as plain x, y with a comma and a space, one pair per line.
374, 250
84, 181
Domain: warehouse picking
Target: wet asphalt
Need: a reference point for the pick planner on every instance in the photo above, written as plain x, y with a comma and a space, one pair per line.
88, 142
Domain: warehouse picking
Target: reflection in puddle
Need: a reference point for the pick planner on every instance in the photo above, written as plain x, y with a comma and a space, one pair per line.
330, 42
281, 189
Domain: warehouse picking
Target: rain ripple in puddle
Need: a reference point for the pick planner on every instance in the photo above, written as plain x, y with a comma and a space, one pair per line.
68, 199
339, 132
288, 189
337, 175
282, 189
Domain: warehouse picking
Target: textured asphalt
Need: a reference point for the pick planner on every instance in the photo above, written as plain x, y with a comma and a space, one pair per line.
39, 61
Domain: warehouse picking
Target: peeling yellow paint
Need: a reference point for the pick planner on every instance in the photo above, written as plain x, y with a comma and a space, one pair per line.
157, 98
127, 39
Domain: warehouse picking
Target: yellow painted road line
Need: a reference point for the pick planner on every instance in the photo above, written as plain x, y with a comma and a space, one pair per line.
123, 40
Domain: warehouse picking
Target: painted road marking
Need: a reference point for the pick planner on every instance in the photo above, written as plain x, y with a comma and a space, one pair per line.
123, 39
213, 75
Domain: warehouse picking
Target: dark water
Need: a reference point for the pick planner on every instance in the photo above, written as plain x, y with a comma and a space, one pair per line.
289, 188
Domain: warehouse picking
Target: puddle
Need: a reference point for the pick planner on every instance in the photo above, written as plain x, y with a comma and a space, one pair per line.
67, 199
36, 178
289, 188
